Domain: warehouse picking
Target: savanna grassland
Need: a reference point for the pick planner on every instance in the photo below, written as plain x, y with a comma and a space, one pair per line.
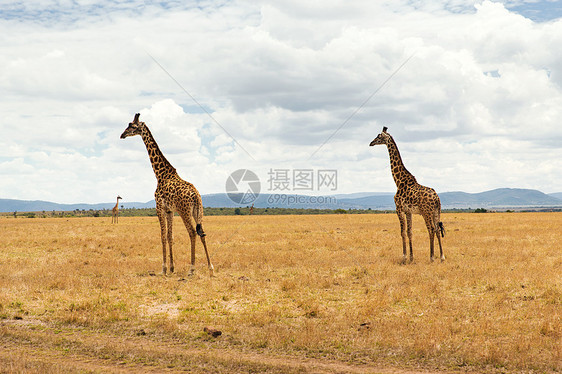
292, 294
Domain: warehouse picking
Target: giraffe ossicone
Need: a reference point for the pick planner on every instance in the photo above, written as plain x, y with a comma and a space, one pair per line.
411, 197
172, 194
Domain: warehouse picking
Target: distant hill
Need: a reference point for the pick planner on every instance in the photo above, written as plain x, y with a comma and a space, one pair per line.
498, 198
295, 201
375, 201
358, 195
557, 195
11, 205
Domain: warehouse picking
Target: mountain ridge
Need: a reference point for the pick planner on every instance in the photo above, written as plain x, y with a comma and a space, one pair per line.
497, 198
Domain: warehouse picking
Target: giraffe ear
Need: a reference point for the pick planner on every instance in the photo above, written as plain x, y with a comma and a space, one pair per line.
136, 117
384, 129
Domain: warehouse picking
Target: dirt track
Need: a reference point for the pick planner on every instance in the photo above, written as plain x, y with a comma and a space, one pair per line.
34, 347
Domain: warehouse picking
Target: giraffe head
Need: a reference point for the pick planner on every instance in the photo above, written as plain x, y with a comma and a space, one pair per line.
135, 128
382, 138
119, 197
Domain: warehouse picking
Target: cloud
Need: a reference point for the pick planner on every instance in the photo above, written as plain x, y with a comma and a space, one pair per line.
477, 106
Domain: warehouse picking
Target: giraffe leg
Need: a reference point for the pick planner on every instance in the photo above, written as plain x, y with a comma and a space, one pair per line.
211, 267
193, 239
162, 220
169, 220
192, 235
186, 218
439, 230
409, 223
431, 231
402, 219
431, 244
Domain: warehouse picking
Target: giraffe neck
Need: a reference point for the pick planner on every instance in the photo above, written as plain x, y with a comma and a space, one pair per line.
161, 166
401, 175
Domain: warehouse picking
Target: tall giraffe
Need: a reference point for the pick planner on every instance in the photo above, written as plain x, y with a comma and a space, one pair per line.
172, 194
412, 197
115, 211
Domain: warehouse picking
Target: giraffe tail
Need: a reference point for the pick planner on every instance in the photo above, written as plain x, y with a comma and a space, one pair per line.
441, 229
199, 229
198, 216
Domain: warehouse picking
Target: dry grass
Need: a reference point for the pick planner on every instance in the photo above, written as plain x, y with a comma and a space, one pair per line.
290, 295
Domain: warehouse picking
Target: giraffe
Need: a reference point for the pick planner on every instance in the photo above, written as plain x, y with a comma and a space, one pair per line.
172, 194
412, 197
115, 211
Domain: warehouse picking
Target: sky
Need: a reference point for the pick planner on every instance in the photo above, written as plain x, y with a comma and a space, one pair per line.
471, 91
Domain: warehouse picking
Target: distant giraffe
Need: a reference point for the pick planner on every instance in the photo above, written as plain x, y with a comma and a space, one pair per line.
115, 211
172, 194
411, 197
